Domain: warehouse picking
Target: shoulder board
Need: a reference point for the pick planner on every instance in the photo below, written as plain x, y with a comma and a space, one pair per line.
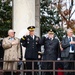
23, 38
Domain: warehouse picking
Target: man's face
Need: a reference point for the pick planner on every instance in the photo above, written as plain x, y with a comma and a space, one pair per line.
70, 33
51, 35
31, 32
11, 34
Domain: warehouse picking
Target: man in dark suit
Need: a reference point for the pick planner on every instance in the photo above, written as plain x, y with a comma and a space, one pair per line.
31, 42
51, 51
68, 52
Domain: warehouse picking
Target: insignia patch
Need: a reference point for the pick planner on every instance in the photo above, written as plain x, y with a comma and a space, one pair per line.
23, 38
28, 39
28, 42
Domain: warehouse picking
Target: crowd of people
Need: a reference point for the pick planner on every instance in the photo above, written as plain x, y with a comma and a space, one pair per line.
11, 48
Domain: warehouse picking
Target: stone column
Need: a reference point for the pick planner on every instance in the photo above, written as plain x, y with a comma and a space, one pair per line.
37, 17
23, 16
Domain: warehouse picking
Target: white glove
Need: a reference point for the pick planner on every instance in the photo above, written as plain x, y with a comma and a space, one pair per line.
58, 59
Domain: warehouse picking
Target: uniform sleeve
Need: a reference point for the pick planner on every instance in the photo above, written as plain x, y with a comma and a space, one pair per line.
6, 44
39, 46
42, 40
59, 51
23, 41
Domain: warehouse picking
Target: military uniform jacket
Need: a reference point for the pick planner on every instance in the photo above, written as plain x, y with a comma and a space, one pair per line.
51, 48
32, 46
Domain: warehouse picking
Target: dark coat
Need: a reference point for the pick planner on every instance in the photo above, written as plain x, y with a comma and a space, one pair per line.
1, 50
32, 46
66, 47
51, 48
1, 54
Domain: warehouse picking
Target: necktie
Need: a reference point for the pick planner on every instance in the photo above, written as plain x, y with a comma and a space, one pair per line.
32, 37
71, 45
69, 39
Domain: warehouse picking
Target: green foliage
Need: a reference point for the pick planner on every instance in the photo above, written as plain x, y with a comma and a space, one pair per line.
5, 17
48, 18
60, 33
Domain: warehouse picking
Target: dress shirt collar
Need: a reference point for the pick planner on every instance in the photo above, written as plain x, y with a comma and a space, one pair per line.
70, 37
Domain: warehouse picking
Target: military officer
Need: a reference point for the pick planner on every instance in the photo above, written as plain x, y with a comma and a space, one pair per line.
51, 51
31, 42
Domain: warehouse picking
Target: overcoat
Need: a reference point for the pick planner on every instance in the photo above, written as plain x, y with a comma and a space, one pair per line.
11, 53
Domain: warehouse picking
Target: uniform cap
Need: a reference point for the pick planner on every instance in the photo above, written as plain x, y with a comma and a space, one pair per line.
31, 28
51, 32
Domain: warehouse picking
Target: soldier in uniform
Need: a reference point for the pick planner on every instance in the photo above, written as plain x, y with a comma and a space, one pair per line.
31, 42
51, 51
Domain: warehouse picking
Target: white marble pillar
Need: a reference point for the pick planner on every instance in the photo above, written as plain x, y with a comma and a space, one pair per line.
37, 17
23, 16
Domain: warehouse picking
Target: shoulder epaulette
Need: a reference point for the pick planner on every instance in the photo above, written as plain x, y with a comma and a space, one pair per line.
23, 38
